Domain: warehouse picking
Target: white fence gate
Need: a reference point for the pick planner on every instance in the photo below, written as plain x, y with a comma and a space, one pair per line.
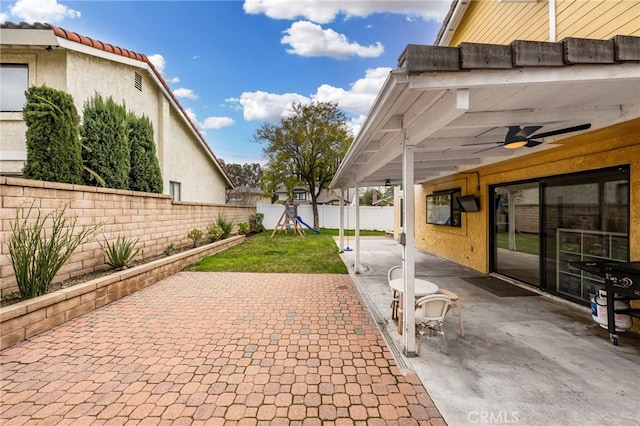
371, 218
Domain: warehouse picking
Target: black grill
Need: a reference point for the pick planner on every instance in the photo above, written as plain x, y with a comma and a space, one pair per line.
621, 281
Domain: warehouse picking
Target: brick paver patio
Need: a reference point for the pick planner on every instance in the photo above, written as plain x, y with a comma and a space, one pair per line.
216, 348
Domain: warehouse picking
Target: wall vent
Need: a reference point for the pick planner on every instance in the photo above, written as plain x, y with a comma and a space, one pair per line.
138, 81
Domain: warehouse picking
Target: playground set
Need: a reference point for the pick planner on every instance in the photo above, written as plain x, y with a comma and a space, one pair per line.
290, 221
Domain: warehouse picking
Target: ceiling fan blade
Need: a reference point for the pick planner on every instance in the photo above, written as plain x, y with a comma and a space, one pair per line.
561, 131
478, 144
486, 149
527, 131
531, 143
513, 134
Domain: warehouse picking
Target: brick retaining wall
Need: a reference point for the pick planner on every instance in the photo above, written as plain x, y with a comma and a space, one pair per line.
155, 219
30, 317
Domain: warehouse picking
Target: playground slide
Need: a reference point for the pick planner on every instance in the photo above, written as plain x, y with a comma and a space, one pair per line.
310, 228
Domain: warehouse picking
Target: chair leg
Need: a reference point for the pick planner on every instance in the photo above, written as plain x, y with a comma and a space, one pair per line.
459, 309
394, 305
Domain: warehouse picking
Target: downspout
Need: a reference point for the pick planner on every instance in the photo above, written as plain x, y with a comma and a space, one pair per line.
552, 20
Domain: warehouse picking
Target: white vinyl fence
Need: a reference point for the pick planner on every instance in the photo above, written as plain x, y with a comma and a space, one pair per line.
371, 218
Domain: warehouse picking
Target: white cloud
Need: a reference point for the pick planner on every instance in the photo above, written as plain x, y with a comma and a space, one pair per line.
263, 106
42, 11
4, 17
185, 93
361, 94
309, 39
323, 12
209, 122
158, 61
217, 122
356, 101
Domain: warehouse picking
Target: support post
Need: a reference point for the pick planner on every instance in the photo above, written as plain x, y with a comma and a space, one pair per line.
408, 252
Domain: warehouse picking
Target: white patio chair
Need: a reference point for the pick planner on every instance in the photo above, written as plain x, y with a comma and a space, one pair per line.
393, 273
430, 313
455, 302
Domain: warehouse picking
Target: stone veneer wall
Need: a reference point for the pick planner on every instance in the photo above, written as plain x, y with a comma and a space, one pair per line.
155, 219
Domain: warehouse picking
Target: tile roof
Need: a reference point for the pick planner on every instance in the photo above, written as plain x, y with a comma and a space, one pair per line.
109, 48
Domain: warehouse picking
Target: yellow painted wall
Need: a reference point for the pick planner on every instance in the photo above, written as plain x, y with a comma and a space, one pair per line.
490, 21
469, 244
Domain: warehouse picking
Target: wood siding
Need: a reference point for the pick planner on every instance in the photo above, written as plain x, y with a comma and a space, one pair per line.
490, 21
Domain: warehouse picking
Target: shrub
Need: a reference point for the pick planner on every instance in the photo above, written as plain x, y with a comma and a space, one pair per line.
54, 152
38, 252
104, 135
195, 235
225, 225
214, 233
243, 228
169, 249
145, 172
255, 222
121, 252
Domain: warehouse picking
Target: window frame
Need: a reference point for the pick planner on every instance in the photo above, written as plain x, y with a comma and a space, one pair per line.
176, 195
445, 198
15, 65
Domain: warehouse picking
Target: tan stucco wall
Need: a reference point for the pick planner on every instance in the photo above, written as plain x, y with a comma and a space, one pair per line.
469, 244
189, 165
182, 157
491, 21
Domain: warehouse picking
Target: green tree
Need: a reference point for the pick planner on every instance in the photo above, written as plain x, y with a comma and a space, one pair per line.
145, 172
305, 148
375, 197
54, 152
247, 174
104, 136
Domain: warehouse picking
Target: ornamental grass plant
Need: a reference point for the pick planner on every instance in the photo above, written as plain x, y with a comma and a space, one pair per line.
38, 251
121, 252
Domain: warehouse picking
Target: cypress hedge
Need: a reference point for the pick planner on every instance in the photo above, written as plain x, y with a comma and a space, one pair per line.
105, 139
145, 172
54, 151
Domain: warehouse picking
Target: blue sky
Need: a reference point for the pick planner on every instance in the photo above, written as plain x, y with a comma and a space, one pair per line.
236, 64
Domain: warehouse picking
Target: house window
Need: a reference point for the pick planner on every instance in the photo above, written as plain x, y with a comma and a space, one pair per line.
174, 190
443, 208
300, 196
14, 81
138, 81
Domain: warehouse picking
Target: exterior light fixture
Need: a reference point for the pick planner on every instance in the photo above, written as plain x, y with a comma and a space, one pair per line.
387, 182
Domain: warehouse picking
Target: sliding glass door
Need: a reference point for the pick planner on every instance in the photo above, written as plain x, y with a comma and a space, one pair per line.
586, 219
540, 227
517, 231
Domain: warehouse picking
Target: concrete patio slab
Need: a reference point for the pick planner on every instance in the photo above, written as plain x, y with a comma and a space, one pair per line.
534, 361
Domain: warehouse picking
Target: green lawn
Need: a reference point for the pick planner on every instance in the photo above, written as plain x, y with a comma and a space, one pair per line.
525, 243
284, 253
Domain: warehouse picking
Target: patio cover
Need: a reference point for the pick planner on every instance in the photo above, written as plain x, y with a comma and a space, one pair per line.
436, 109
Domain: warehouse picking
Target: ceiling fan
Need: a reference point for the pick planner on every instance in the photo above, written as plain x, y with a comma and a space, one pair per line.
518, 137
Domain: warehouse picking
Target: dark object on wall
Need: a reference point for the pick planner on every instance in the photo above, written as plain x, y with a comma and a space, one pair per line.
468, 203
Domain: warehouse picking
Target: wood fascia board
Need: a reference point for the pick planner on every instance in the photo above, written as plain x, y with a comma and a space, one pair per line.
525, 76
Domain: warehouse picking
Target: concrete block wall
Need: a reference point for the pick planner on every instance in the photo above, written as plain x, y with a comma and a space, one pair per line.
154, 219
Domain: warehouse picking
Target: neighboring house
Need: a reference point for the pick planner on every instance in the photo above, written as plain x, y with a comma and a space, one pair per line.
246, 196
496, 74
42, 54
